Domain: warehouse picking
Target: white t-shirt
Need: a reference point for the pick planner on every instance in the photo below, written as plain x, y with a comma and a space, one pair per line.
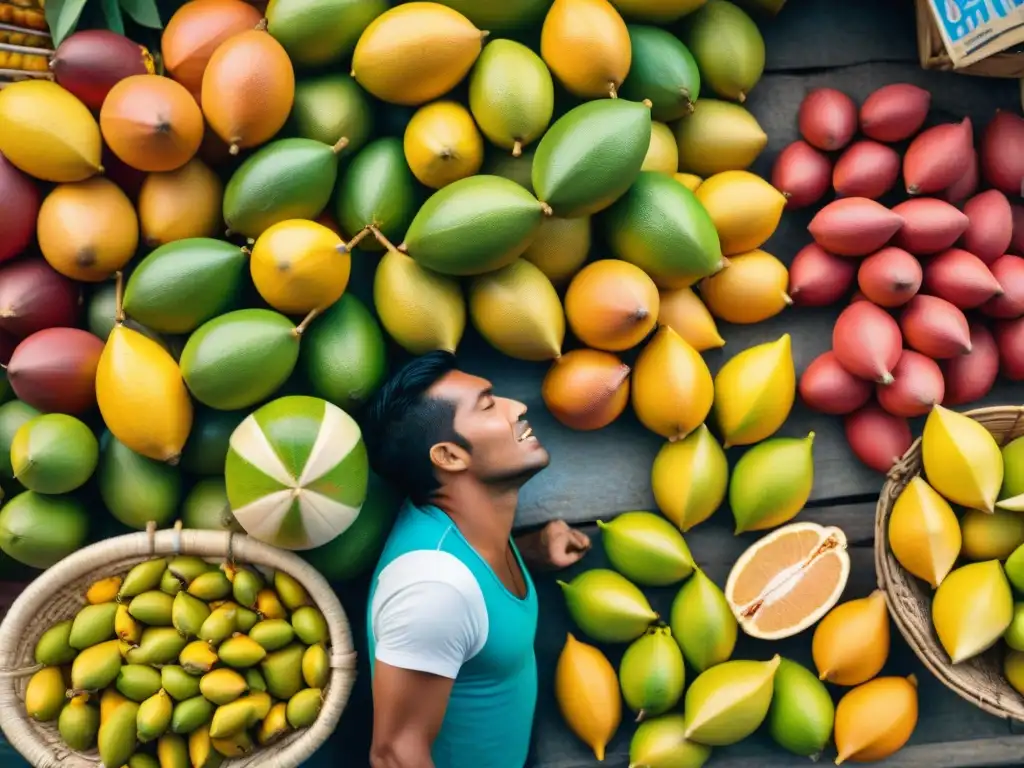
428, 613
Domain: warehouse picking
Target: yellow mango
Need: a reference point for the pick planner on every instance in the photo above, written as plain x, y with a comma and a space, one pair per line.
754, 392
962, 460
672, 389
587, 691
972, 608
924, 534
689, 478
875, 719
851, 644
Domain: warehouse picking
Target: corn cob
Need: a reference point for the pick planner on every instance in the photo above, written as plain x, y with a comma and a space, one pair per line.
32, 18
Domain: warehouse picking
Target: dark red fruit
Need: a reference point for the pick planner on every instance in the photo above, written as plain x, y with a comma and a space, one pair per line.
91, 62
961, 278
867, 342
1002, 152
990, 227
1017, 241
938, 157
802, 174
827, 119
934, 327
1009, 335
966, 185
55, 370
866, 169
930, 225
890, 277
854, 226
818, 278
827, 387
917, 386
19, 207
970, 377
33, 296
1009, 271
876, 437
894, 112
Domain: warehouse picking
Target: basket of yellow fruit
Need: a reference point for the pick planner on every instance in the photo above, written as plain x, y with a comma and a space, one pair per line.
949, 553
175, 647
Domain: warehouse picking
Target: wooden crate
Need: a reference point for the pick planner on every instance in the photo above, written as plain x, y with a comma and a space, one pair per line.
932, 51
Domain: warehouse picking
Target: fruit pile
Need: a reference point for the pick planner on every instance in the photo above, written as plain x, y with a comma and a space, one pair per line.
974, 561
782, 585
946, 261
180, 662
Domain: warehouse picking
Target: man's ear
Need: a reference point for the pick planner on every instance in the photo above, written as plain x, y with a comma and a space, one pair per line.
449, 457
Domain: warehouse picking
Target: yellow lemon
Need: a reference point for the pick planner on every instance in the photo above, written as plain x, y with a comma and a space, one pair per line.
991, 536
971, 609
48, 133
662, 154
588, 694
924, 534
689, 180
415, 52
754, 392
672, 388
689, 478
299, 266
442, 144
585, 44
750, 289
745, 208
684, 313
961, 459
142, 397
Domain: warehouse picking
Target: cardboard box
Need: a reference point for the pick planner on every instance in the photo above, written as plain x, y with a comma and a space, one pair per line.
972, 37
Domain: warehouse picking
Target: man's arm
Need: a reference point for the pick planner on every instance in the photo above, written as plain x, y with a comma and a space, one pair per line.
553, 547
408, 709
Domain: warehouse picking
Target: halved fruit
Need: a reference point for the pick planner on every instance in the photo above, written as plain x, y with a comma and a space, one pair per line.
788, 580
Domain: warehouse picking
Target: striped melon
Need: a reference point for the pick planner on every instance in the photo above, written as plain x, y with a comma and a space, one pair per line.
296, 472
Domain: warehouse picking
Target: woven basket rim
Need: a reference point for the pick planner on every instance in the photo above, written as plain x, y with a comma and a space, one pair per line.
88, 563
985, 692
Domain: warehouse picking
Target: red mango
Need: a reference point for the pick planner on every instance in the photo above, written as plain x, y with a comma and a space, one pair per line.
827, 387
802, 174
876, 437
970, 377
867, 341
890, 277
934, 327
894, 112
1009, 335
854, 226
938, 157
1002, 152
34, 296
966, 185
91, 62
990, 225
54, 370
818, 278
961, 278
930, 225
866, 169
917, 386
19, 207
1009, 271
827, 119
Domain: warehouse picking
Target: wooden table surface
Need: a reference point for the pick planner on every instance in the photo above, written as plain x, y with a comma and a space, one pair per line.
855, 47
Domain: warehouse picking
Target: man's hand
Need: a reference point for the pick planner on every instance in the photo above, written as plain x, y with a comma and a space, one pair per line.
555, 546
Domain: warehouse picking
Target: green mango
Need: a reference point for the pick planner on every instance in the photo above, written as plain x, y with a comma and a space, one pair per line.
188, 614
660, 226
116, 737
182, 284
137, 682
511, 95
1011, 495
285, 179
93, 624
660, 743
356, 551
646, 548
159, 645
40, 531
500, 15
153, 608
189, 714
304, 707
474, 225
179, 683
97, 667
207, 445
54, 453
137, 489
591, 156
54, 645
329, 107
344, 354
802, 714
508, 166
79, 724
101, 313
206, 507
12, 416
377, 188
142, 577
1014, 635
729, 701
316, 33
651, 673
239, 359
771, 482
607, 607
310, 625
702, 623
664, 71
282, 671
728, 48
1014, 567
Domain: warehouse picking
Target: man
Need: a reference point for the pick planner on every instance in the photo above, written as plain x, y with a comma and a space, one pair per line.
452, 612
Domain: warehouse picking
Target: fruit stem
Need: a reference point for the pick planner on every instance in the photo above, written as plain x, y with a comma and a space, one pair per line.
119, 297
340, 145
787, 299
233, 147
301, 327
261, 25
383, 240
246, 251
517, 148
546, 209
613, 90
640, 716
886, 378
741, 97
356, 240
648, 103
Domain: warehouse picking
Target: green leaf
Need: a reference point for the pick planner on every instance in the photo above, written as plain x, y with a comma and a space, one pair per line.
112, 14
144, 12
62, 18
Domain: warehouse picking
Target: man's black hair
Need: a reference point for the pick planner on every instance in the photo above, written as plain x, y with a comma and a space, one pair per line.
401, 424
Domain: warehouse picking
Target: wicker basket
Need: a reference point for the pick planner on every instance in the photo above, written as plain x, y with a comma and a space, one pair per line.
979, 680
58, 594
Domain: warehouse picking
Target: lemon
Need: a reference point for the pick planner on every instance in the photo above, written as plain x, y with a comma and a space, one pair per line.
663, 153
442, 144
745, 208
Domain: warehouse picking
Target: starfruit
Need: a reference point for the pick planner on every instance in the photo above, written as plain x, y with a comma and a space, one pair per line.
971, 609
851, 644
607, 607
660, 743
754, 392
587, 692
801, 715
651, 673
729, 701
961, 459
875, 719
702, 623
689, 478
924, 534
646, 549
771, 483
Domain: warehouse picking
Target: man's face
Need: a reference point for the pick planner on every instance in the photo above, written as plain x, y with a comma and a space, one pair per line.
503, 448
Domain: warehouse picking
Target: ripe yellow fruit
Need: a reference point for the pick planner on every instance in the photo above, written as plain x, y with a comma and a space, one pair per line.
751, 289
689, 180
754, 392
689, 478
672, 387
746, 209
961, 459
611, 305
876, 719
851, 644
299, 266
687, 315
442, 144
179, 204
991, 536
971, 609
587, 691
924, 534
662, 154
585, 44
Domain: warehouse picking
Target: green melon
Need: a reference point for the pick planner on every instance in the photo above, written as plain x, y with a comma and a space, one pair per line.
40, 530
54, 453
12, 416
134, 488
207, 507
207, 445
297, 472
